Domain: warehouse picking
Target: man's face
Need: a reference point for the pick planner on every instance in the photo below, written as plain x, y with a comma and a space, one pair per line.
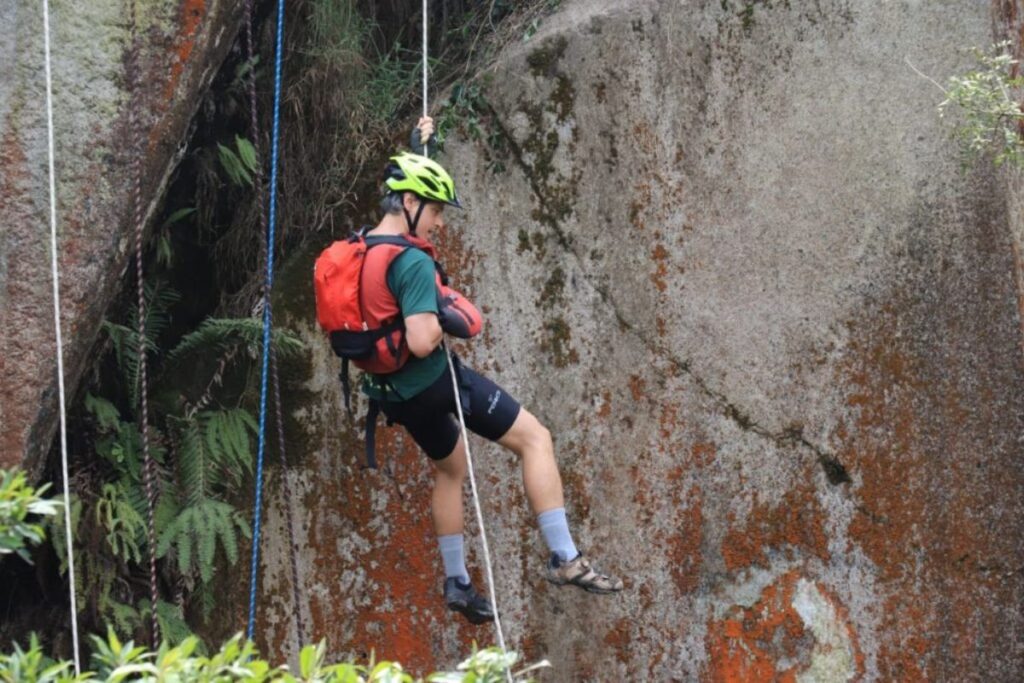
432, 218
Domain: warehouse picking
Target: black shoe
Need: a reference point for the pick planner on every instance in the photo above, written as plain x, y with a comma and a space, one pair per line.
460, 597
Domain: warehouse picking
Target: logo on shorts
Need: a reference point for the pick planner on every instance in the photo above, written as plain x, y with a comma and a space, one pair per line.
494, 398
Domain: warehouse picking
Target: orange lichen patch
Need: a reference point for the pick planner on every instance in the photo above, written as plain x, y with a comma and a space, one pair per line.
407, 572
641, 490
191, 17
660, 256
797, 523
661, 326
605, 409
932, 480
575, 485
748, 642
770, 640
459, 260
703, 453
637, 387
668, 420
619, 637
684, 547
393, 574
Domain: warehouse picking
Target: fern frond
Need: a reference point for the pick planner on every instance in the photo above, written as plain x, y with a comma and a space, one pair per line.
207, 529
222, 333
173, 628
160, 297
124, 526
226, 434
193, 462
229, 540
108, 418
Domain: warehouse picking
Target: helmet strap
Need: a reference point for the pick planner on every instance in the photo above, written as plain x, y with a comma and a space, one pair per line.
414, 221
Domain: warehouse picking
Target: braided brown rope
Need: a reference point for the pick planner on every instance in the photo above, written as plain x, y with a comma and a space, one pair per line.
148, 473
275, 383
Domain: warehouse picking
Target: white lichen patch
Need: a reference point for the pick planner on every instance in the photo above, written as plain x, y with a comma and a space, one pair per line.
832, 658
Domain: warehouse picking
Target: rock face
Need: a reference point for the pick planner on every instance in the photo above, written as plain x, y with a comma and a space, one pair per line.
730, 258
182, 42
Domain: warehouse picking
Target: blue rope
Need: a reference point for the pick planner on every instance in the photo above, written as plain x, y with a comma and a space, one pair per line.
267, 322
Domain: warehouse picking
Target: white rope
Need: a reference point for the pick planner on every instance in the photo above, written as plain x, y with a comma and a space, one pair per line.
60, 344
462, 418
425, 66
476, 506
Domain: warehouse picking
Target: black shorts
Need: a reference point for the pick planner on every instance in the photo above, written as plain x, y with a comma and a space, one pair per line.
430, 417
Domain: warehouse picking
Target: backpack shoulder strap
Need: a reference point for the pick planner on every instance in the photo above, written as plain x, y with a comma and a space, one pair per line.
396, 240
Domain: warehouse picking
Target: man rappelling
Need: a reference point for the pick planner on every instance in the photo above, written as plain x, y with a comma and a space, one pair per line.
405, 309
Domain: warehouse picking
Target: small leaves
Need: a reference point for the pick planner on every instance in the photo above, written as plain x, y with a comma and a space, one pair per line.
239, 163
990, 99
236, 660
18, 502
124, 526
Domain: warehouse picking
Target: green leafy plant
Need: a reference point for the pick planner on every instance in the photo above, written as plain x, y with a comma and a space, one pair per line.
120, 518
114, 661
203, 451
222, 334
467, 110
32, 666
125, 338
989, 98
18, 503
239, 163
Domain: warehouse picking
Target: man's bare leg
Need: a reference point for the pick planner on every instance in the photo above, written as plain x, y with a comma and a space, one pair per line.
446, 508
446, 499
531, 441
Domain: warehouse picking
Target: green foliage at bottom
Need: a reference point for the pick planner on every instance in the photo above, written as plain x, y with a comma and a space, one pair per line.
114, 661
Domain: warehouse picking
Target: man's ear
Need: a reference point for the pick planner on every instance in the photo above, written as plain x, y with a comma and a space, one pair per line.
410, 201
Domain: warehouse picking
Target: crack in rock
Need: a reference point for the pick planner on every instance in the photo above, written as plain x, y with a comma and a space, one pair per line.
791, 437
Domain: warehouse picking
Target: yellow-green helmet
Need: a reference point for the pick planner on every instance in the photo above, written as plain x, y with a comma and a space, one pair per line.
422, 176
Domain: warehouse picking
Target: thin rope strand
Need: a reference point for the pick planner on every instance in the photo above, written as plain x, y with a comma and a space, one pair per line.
491, 590
254, 576
462, 419
425, 65
148, 467
300, 625
60, 343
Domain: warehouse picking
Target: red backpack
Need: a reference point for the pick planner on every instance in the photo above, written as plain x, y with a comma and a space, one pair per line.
360, 314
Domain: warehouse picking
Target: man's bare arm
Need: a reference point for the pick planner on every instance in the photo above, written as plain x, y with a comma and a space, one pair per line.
422, 333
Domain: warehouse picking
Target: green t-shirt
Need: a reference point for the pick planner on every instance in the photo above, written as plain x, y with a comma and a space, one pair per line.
411, 280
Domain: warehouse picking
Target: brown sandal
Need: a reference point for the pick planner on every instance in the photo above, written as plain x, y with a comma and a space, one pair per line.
579, 572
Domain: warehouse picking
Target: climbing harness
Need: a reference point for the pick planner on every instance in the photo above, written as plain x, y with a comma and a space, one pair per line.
60, 344
267, 321
148, 468
462, 418
275, 382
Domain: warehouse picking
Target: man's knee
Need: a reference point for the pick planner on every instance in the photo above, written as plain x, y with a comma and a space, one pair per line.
528, 434
453, 466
